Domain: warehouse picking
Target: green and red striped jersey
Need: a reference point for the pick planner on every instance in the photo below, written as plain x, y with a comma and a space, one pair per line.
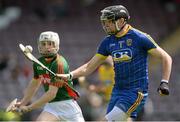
57, 65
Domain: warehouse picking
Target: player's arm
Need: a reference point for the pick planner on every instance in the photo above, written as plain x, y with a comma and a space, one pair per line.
89, 67
166, 61
48, 96
30, 91
166, 68
45, 98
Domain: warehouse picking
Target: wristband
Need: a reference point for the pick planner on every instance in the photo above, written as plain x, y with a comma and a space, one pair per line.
164, 81
70, 76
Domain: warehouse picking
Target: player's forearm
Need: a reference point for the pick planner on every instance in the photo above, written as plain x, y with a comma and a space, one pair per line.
84, 70
88, 68
48, 96
166, 67
30, 91
81, 71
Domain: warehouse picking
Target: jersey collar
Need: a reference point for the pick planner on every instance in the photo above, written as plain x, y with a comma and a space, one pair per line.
125, 31
49, 60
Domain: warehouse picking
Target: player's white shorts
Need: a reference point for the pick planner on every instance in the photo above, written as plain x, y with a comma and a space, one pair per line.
67, 110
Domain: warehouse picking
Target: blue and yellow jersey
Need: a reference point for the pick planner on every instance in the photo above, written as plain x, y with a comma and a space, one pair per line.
130, 55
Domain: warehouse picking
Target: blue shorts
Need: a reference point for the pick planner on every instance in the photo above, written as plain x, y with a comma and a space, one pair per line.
131, 102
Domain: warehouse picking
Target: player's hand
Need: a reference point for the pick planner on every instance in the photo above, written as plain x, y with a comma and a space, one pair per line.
24, 109
65, 76
18, 104
16, 110
163, 88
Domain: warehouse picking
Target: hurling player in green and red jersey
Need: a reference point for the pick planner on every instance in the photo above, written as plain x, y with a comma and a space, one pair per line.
59, 99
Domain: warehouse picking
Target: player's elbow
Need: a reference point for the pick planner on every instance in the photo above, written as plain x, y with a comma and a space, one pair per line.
51, 94
168, 59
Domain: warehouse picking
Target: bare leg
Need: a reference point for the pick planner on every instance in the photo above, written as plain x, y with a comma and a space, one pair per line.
46, 116
129, 119
116, 114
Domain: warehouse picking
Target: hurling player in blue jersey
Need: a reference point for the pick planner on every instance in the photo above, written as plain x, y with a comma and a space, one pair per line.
129, 49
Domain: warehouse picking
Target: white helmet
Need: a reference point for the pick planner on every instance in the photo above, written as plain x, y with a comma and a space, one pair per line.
48, 36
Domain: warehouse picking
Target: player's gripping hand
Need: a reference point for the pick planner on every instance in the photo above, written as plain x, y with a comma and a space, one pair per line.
24, 109
16, 110
163, 88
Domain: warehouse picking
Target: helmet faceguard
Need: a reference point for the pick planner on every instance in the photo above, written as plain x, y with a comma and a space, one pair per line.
108, 17
113, 13
51, 38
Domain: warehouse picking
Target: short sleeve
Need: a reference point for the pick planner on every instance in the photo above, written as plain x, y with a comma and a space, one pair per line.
147, 42
103, 48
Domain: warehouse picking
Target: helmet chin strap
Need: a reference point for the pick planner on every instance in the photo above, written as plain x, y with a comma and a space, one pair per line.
117, 28
50, 56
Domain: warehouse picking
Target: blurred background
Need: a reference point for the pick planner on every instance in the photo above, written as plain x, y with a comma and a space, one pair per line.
80, 31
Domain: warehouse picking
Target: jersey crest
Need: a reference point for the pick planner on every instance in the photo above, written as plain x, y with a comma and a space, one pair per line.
122, 55
129, 42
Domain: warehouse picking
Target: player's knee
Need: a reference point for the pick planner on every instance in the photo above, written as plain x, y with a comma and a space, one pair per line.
129, 119
116, 114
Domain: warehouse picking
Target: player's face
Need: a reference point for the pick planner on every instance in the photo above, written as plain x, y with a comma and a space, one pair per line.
109, 26
47, 47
